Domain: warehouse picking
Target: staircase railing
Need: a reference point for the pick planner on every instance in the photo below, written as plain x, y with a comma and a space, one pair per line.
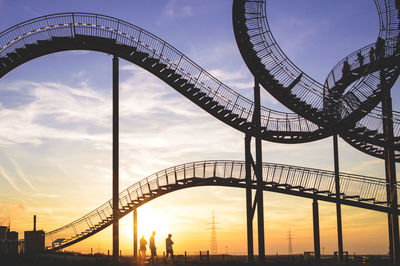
285, 72
300, 179
73, 25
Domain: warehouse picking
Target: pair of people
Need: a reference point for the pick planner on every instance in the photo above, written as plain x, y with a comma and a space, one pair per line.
153, 249
374, 54
152, 246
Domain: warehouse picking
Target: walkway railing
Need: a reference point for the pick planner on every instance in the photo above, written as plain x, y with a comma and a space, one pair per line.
367, 192
310, 97
277, 126
72, 25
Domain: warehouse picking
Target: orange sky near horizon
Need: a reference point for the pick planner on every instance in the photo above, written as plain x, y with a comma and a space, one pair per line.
189, 220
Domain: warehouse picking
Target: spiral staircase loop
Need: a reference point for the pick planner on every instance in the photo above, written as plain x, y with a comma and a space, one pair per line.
305, 96
335, 106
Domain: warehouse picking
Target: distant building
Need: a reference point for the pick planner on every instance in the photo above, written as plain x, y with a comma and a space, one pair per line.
12, 242
8, 241
3, 239
3, 232
34, 242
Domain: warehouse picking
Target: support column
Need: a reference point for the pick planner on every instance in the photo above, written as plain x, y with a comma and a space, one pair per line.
390, 168
135, 239
258, 170
338, 206
115, 158
317, 247
249, 208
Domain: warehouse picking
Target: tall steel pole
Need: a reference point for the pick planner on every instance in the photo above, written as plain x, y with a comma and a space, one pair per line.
115, 158
135, 239
249, 208
338, 206
317, 248
260, 182
390, 169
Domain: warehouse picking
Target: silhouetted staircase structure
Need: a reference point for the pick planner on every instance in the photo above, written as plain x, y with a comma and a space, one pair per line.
81, 31
72, 31
347, 106
359, 191
352, 98
75, 31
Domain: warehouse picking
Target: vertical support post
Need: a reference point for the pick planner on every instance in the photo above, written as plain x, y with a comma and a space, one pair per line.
317, 247
338, 206
260, 183
249, 208
390, 169
115, 160
135, 239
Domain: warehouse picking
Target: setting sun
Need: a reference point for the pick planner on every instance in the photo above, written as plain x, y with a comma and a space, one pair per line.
149, 220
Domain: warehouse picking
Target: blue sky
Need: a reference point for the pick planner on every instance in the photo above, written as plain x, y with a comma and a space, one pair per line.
55, 115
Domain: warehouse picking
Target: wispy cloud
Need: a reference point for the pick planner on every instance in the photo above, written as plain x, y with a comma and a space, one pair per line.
53, 106
293, 41
153, 118
11, 181
46, 196
175, 9
21, 174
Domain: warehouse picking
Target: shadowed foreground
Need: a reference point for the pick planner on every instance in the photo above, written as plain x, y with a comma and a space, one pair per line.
102, 260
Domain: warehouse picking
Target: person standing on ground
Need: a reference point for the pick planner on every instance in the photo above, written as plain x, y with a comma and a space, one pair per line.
152, 247
168, 246
142, 249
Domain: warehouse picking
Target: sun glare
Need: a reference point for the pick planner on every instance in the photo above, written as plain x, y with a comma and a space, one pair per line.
149, 220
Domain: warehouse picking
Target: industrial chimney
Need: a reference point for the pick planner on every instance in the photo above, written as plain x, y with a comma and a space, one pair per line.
34, 222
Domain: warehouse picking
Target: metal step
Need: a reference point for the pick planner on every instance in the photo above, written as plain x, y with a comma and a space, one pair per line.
149, 61
159, 66
139, 55
181, 81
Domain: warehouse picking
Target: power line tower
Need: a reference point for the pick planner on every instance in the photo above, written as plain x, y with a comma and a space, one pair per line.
290, 249
213, 236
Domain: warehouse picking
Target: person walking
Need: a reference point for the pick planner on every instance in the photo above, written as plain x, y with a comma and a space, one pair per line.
346, 72
153, 248
380, 48
142, 249
360, 59
168, 247
371, 55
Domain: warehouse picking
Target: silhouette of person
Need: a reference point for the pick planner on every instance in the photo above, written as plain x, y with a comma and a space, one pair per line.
346, 70
168, 247
142, 249
380, 48
371, 55
360, 58
152, 246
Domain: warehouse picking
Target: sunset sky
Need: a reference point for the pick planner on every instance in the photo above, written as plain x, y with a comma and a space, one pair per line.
55, 120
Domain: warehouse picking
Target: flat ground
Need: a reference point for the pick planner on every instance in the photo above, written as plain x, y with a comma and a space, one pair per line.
101, 260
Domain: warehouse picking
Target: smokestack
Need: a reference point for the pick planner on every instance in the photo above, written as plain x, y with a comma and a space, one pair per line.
34, 222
